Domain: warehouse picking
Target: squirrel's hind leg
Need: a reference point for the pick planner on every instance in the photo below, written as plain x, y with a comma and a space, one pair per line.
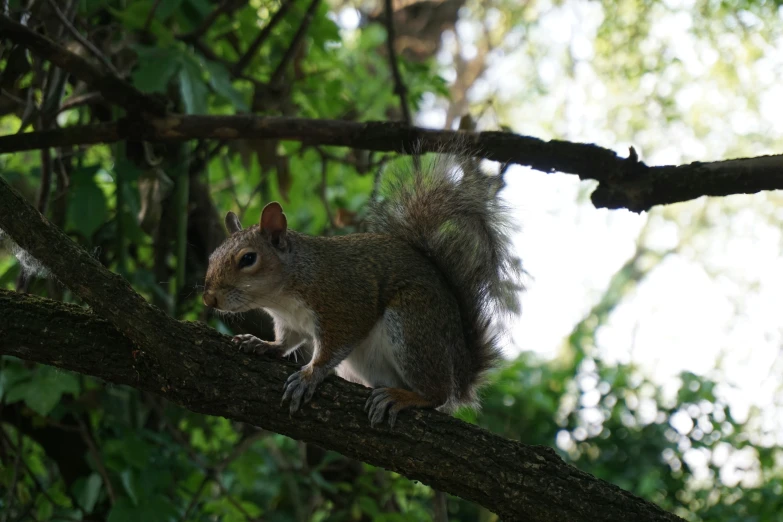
391, 401
424, 331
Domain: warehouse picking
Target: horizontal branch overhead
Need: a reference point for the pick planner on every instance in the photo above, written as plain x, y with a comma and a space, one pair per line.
193, 365
623, 182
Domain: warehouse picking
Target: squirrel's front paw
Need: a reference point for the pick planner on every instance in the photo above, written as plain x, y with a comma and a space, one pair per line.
302, 384
379, 406
251, 344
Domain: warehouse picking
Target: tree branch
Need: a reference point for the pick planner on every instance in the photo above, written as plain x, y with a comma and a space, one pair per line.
82, 40
624, 182
195, 366
259, 40
226, 7
399, 86
296, 41
516, 481
113, 88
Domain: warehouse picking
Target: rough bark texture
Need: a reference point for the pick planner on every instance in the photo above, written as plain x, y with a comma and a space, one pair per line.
198, 368
516, 481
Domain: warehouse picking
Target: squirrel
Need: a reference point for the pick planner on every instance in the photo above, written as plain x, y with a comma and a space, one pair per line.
408, 308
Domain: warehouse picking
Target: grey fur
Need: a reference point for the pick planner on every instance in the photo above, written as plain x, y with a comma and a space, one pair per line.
449, 211
408, 309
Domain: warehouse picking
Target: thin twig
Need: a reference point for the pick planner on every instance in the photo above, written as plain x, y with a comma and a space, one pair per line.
330, 225
196, 496
226, 6
35, 480
277, 75
226, 493
81, 99
246, 58
399, 86
17, 100
214, 471
29, 111
45, 187
81, 39
96, 456
113, 88
12, 486
148, 21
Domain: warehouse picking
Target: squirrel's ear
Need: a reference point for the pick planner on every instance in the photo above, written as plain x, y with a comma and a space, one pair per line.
232, 223
274, 224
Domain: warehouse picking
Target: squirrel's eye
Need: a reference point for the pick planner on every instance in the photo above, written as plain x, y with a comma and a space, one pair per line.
247, 260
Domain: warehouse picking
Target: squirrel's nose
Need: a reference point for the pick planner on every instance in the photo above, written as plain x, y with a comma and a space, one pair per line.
209, 299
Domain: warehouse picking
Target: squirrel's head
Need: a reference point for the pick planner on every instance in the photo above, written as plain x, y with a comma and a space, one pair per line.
246, 271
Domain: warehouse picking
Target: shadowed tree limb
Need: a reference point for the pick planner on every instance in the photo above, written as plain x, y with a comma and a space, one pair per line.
516, 481
192, 365
113, 88
624, 182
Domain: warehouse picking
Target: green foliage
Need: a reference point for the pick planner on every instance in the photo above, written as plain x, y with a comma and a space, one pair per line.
87, 206
41, 389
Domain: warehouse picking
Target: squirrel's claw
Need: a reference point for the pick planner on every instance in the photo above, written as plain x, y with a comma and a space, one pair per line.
378, 405
250, 343
301, 385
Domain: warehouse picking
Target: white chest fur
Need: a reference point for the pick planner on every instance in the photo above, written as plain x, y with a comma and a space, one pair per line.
293, 315
375, 361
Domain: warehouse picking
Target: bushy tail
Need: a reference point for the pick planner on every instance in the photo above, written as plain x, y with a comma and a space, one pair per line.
449, 210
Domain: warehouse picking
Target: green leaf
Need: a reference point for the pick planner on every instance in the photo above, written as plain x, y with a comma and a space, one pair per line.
192, 87
87, 206
45, 508
166, 8
156, 509
220, 80
135, 16
43, 391
201, 6
156, 68
87, 491
137, 451
368, 505
129, 482
13, 373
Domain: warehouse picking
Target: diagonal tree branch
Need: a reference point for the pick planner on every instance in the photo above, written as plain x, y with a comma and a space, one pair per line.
81, 39
296, 41
516, 481
259, 40
226, 7
193, 365
113, 88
